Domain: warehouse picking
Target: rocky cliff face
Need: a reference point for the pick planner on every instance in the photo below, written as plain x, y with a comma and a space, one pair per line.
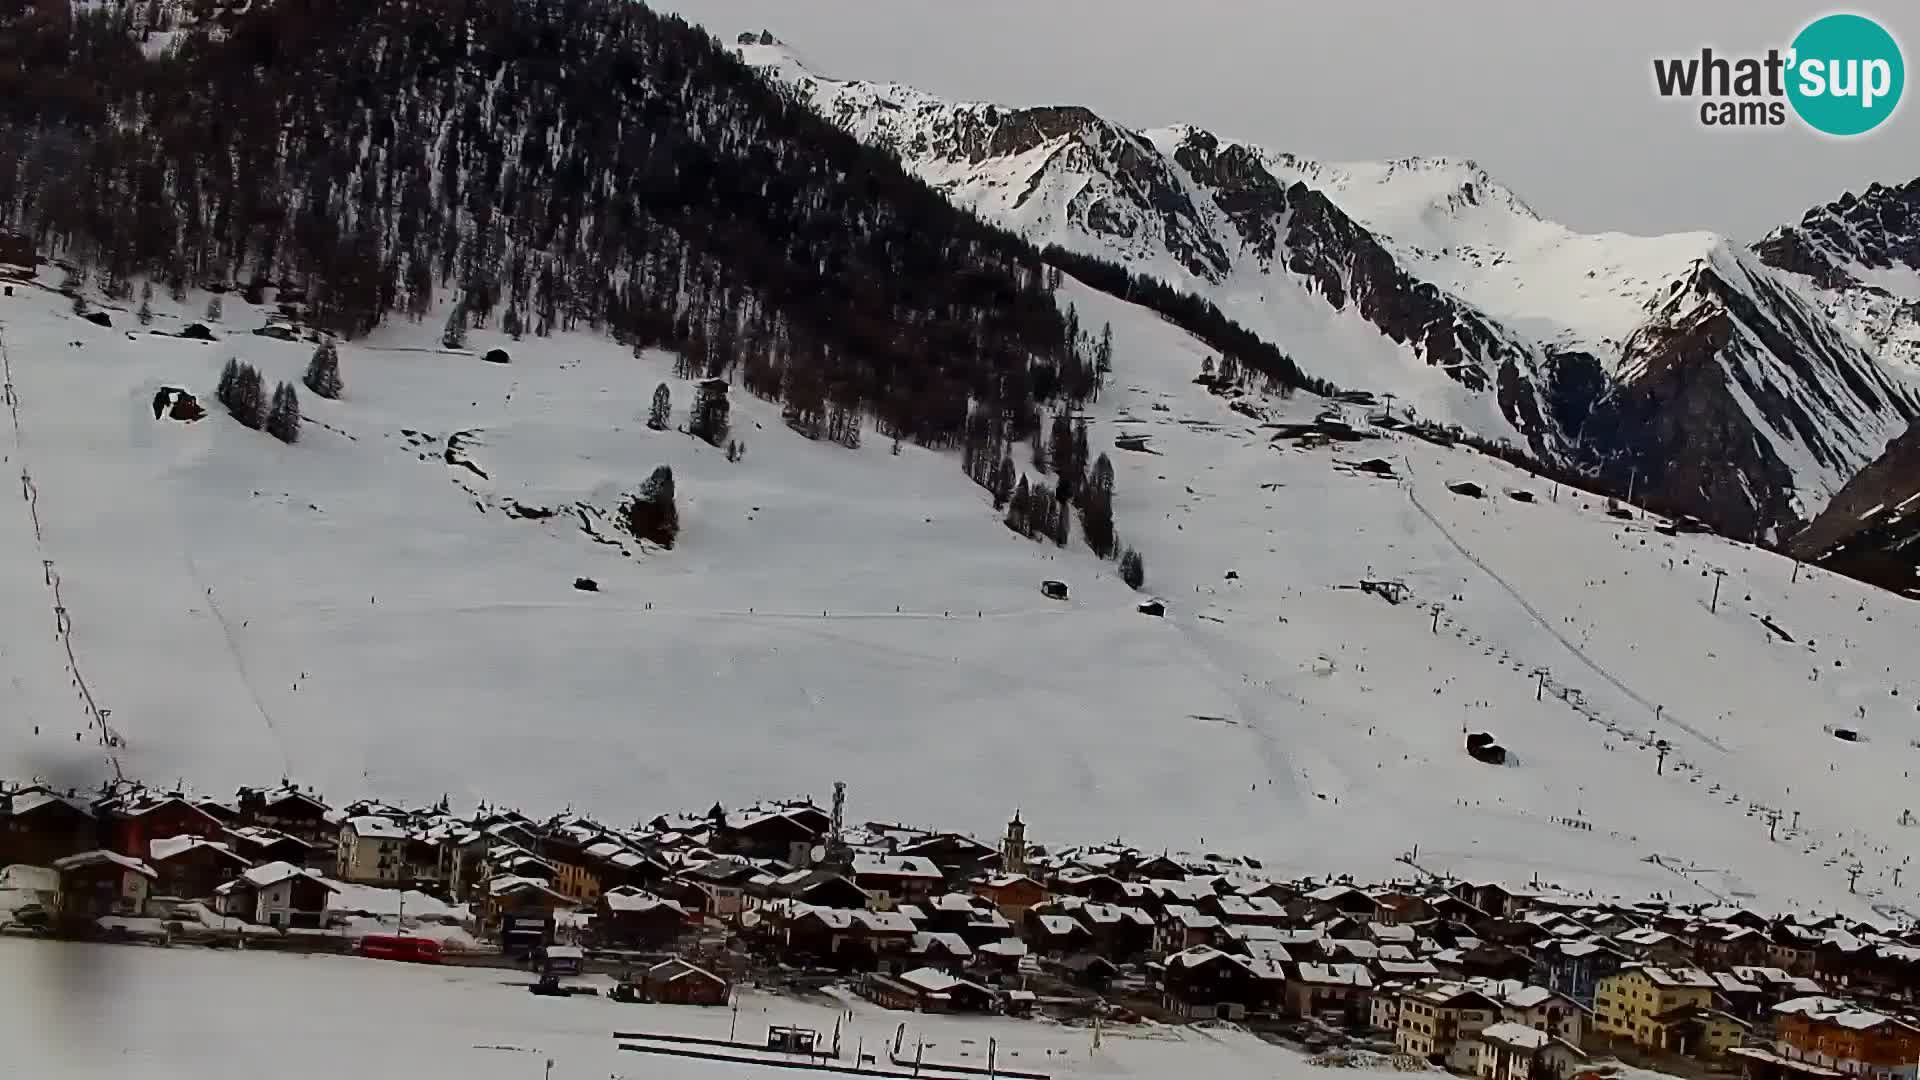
1727, 384
1859, 259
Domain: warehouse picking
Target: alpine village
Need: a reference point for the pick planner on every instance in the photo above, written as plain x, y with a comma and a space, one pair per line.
1482, 978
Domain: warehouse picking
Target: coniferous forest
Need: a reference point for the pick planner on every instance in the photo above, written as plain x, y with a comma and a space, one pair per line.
543, 165
533, 166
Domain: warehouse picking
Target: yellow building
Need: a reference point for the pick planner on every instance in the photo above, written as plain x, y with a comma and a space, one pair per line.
576, 881
1665, 1008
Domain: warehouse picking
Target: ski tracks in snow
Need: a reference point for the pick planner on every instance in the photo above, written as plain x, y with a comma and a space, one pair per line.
107, 737
1546, 624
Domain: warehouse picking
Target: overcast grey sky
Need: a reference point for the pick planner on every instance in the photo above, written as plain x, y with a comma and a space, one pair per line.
1554, 97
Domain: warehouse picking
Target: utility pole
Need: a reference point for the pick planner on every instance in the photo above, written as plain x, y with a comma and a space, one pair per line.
1663, 749
1718, 577
1437, 609
1773, 824
1540, 689
1796, 573
1853, 875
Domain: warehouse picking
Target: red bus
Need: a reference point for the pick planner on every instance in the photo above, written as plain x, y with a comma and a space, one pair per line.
416, 950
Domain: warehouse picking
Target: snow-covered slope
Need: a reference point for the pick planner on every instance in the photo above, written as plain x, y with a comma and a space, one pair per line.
363, 612
1427, 279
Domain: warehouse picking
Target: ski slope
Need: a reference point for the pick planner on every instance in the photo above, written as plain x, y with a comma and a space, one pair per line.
357, 613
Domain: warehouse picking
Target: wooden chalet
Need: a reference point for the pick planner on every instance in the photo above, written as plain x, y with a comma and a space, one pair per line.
39, 825
849, 939
190, 868
277, 894
99, 883
132, 822
926, 990
1205, 983
634, 918
286, 810
896, 879
682, 982
1011, 894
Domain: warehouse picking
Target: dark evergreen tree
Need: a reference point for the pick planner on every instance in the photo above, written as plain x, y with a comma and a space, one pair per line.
710, 408
145, 314
652, 515
1096, 509
215, 308
660, 416
229, 374
1003, 478
323, 372
1019, 509
1133, 569
454, 336
244, 394
283, 418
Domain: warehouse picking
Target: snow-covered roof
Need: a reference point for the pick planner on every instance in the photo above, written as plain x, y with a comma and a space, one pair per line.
1407, 969
847, 918
952, 943
1355, 975
1191, 918
932, 980
1012, 947
626, 898
167, 847
1519, 1036
273, 873
874, 864
26, 802
1679, 977
1523, 996
1001, 881
1835, 1011
1187, 889
98, 858
1197, 956
376, 826
1060, 924
952, 902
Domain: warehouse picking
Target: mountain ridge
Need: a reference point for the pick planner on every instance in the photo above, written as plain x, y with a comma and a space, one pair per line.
1427, 280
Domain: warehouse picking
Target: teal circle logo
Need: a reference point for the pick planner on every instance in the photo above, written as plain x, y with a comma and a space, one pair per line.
1847, 75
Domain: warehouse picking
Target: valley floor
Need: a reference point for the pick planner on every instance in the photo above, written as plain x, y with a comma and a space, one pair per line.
76, 1012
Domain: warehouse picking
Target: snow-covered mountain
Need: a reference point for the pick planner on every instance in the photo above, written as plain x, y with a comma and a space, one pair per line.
1682, 364
1860, 257
387, 608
